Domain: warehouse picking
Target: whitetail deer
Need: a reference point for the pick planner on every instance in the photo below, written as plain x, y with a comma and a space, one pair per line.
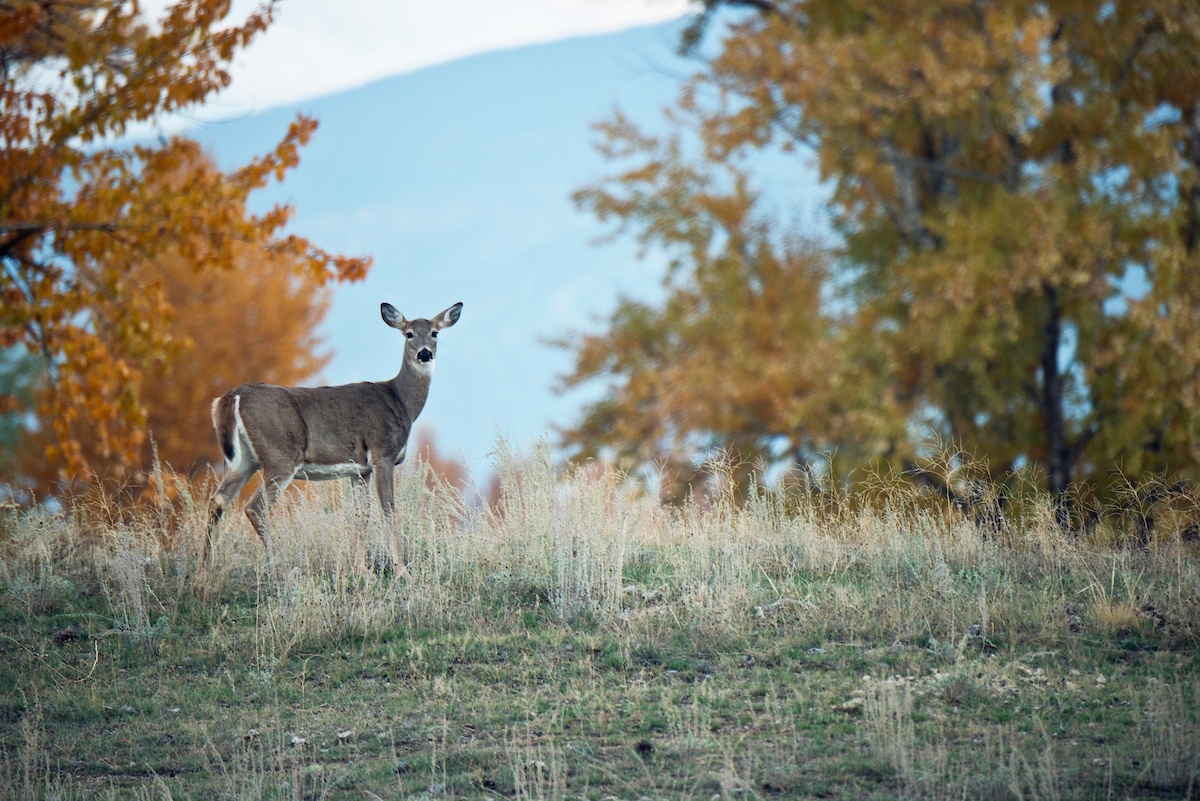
322, 433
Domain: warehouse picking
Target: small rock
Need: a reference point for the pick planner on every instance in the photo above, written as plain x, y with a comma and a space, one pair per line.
852, 707
298, 742
346, 735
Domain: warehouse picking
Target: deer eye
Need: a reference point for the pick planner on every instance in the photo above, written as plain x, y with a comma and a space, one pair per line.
433, 334
408, 334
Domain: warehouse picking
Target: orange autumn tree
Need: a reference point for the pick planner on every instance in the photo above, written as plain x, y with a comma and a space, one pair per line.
1016, 187
85, 217
257, 321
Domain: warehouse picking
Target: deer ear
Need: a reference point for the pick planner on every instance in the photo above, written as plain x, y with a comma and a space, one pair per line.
449, 317
390, 316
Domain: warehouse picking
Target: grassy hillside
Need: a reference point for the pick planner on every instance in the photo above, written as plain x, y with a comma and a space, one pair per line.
582, 641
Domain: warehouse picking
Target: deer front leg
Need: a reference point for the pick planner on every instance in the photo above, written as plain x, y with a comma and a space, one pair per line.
384, 472
384, 477
360, 501
357, 483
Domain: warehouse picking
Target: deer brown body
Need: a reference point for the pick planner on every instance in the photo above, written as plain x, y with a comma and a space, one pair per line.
356, 431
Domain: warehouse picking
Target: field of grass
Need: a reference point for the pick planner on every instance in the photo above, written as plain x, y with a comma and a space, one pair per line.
583, 641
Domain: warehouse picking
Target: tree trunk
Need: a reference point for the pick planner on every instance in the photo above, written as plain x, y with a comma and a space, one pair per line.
1058, 453
1191, 194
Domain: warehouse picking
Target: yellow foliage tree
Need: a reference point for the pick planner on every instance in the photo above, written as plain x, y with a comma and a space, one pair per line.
1017, 189
742, 360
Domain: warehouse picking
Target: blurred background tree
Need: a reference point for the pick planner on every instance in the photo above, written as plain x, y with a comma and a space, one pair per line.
95, 231
743, 358
18, 376
1016, 193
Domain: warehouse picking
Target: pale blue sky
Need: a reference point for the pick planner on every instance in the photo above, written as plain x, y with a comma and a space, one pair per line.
457, 180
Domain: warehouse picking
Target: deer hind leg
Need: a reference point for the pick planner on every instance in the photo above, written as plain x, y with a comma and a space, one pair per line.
230, 486
259, 508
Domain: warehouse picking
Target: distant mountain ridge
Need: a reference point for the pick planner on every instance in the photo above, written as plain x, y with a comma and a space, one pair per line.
457, 180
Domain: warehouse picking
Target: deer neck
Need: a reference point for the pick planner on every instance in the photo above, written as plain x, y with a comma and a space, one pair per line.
411, 384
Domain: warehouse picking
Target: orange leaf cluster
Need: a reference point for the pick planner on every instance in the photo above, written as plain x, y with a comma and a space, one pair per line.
85, 223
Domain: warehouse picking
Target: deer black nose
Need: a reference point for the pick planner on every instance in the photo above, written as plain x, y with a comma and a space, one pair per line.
424, 355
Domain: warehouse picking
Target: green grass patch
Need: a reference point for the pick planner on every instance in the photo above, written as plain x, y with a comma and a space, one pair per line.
588, 643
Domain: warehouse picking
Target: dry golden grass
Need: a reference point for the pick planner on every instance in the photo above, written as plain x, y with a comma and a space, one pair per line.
596, 630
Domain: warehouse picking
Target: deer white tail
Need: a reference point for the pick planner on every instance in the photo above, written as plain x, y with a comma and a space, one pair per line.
231, 431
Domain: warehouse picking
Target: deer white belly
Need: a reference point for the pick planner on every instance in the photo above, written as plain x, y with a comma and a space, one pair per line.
328, 472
